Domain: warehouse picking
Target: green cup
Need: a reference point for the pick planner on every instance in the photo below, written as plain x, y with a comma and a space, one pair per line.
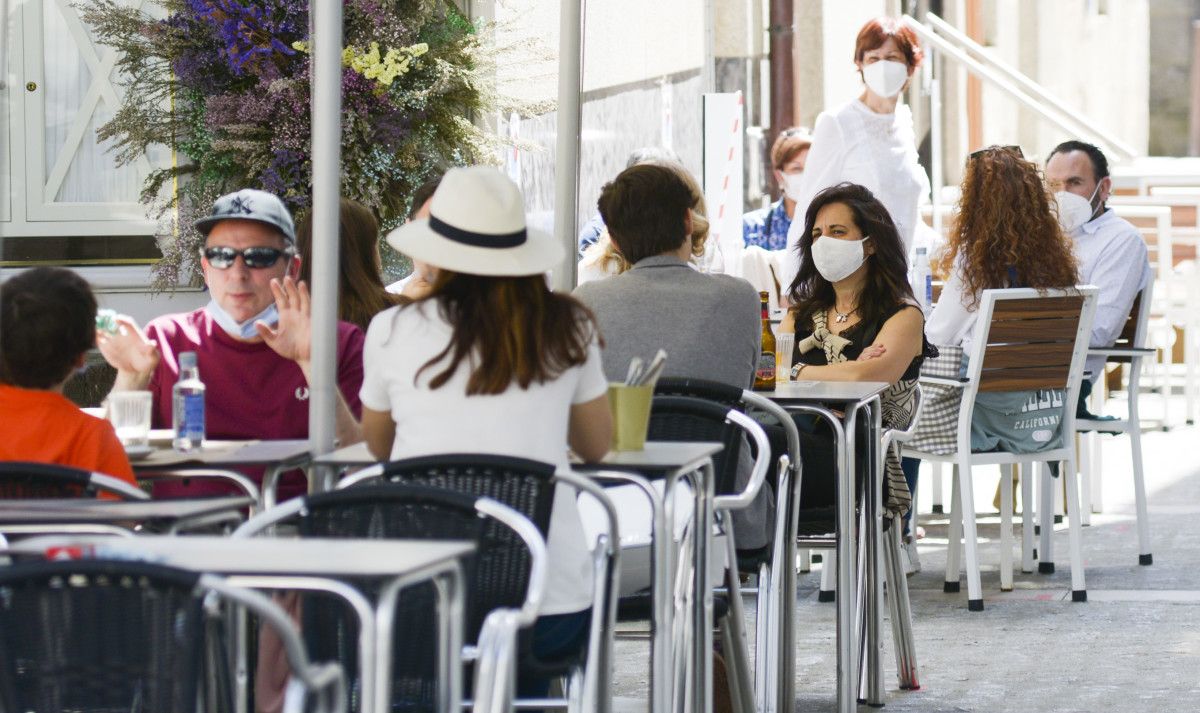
630, 407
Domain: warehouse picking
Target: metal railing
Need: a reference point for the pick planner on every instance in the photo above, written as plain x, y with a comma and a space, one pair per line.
944, 38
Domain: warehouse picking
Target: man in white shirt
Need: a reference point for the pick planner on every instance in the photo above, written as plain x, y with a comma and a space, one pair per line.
1111, 252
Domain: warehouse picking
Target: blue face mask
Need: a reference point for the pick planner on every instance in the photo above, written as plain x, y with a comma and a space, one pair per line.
241, 330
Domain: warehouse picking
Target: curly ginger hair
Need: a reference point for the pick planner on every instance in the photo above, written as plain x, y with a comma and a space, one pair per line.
1006, 219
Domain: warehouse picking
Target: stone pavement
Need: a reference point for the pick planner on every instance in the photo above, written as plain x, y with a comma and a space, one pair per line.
1133, 646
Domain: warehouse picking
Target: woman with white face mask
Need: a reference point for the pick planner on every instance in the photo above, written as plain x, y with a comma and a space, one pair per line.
869, 140
768, 227
855, 319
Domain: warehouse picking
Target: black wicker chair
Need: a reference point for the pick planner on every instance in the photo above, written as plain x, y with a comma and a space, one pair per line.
496, 577
528, 487
20, 480
101, 636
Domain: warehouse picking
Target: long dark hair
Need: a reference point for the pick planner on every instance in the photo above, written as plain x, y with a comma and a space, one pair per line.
887, 268
361, 294
515, 330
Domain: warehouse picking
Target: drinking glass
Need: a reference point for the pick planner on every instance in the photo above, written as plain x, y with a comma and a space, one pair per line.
784, 343
129, 412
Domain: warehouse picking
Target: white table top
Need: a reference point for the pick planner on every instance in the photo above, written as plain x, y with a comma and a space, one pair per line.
657, 455
227, 453
89, 511
261, 555
845, 392
356, 454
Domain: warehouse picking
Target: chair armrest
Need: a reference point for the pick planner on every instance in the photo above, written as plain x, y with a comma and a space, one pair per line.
1120, 351
538, 559
267, 518
762, 463
941, 381
108, 483
371, 472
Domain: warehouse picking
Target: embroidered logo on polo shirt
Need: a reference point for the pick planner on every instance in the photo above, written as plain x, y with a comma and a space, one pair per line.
302, 393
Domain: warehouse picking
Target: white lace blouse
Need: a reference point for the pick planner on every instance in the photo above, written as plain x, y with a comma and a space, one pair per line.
878, 151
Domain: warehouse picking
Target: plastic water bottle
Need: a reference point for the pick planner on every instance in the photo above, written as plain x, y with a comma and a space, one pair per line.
922, 280
187, 402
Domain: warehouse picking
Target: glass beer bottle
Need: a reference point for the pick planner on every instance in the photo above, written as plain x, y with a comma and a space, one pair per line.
764, 374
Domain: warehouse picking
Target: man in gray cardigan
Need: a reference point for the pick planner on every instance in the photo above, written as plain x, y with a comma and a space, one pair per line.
709, 325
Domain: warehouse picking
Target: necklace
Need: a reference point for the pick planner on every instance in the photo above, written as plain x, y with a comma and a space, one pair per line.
841, 318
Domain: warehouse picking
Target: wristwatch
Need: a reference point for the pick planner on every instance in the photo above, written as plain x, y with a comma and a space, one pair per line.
797, 369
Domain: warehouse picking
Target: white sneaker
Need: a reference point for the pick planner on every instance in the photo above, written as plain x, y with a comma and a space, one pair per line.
912, 561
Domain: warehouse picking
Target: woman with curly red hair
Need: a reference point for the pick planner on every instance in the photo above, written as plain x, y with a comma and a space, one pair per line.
1006, 235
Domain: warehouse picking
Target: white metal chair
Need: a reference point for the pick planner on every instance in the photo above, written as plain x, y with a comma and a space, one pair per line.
1024, 340
1129, 349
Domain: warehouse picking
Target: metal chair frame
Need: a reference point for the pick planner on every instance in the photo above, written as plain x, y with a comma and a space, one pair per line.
589, 688
1129, 349
999, 337
775, 635
90, 483
497, 646
325, 681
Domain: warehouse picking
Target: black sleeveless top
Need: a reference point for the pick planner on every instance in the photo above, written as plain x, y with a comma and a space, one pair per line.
857, 338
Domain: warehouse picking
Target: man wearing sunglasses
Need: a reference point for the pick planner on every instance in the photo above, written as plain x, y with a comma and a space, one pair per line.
252, 340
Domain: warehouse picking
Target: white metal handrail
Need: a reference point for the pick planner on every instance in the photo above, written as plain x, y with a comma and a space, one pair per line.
954, 35
1003, 77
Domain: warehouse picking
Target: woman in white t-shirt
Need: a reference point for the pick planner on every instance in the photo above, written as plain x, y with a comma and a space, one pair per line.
869, 141
493, 361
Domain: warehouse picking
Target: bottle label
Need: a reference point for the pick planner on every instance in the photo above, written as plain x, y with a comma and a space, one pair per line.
192, 425
766, 367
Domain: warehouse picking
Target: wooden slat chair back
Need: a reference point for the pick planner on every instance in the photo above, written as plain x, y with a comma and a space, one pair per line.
1133, 332
1030, 343
1024, 340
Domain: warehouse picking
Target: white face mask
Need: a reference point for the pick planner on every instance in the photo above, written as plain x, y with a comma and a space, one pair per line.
241, 330
791, 184
1074, 210
837, 259
885, 77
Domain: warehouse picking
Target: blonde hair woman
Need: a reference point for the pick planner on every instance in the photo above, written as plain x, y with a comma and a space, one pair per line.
602, 259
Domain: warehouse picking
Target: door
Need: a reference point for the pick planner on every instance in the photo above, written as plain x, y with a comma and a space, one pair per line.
70, 89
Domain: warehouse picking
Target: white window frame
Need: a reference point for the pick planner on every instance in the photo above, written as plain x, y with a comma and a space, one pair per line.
31, 210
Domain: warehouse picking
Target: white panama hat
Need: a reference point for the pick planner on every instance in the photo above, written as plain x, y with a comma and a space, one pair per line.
476, 226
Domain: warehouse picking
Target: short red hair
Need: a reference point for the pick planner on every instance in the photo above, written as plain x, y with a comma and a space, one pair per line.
877, 31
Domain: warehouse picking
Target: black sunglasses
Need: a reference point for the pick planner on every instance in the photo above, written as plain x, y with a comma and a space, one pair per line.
1015, 149
256, 258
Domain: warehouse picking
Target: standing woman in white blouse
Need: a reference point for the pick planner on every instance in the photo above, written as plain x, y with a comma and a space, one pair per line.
869, 140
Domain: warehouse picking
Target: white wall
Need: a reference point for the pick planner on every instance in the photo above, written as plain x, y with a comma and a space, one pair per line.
624, 42
1096, 63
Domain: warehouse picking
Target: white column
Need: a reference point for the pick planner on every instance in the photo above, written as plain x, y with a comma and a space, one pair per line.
326, 22
566, 157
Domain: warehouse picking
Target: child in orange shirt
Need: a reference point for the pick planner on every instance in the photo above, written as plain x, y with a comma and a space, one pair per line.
47, 325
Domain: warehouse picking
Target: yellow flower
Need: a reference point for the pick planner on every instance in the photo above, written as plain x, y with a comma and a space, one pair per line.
384, 69
300, 46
